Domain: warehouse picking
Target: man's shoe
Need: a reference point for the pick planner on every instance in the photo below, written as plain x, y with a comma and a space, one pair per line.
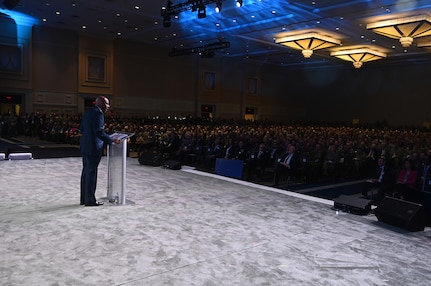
96, 204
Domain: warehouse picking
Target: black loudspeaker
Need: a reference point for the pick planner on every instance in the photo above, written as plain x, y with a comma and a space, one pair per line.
10, 4
404, 214
151, 159
172, 164
353, 205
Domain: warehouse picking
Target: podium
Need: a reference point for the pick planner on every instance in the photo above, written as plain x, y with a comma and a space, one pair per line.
116, 157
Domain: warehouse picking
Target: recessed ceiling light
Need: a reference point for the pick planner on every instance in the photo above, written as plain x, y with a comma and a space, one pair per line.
137, 7
57, 12
84, 27
44, 20
118, 14
118, 33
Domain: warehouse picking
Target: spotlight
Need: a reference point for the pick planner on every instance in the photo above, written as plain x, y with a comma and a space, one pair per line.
218, 7
238, 3
202, 12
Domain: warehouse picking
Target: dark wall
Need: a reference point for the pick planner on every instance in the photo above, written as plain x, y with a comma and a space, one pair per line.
397, 94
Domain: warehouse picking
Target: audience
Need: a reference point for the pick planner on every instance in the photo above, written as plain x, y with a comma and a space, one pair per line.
323, 152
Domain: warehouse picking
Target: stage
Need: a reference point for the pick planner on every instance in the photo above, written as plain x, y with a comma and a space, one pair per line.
187, 227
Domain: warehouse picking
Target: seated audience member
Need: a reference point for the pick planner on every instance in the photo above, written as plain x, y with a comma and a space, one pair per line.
331, 161
316, 158
273, 153
405, 187
383, 180
257, 163
424, 173
170, 144
229, 149
241, 152
287, 164
212, 152
371, 158
186, 147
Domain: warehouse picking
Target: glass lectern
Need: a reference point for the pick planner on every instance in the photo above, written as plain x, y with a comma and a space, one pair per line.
116, 156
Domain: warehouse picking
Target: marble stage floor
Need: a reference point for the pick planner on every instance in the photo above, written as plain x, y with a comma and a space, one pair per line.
190, 228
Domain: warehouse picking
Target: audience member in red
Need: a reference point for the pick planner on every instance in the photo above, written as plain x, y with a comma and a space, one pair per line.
405, 187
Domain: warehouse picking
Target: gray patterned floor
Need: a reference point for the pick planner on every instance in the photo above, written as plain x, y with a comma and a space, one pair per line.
190, 228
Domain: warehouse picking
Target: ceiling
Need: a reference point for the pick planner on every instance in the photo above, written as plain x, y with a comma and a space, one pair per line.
250, 29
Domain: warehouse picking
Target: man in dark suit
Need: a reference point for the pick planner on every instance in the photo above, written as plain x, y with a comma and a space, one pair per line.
288, 164
257, 163
91, 144
383, 179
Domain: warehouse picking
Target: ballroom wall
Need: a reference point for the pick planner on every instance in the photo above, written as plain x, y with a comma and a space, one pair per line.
63, 70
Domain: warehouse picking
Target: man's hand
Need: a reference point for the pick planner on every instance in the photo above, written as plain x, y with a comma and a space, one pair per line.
117, 141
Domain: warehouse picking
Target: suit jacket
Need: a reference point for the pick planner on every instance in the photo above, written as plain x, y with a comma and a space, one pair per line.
93, 133
294, 161
388, 178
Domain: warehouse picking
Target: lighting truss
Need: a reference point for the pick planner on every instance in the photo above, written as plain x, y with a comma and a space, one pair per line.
205, 50
172, 10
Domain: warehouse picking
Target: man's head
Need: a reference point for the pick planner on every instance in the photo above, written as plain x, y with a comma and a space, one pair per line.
103, 103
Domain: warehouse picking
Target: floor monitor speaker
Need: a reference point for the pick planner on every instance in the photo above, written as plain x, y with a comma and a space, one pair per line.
352, 204
400, 213
151, 158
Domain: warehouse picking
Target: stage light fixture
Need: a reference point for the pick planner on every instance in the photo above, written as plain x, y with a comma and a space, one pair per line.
238, 3
218, 7
203, 51
194, 5
202, 12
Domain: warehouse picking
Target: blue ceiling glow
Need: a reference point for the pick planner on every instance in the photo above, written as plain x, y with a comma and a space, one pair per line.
341, 5
20, 18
